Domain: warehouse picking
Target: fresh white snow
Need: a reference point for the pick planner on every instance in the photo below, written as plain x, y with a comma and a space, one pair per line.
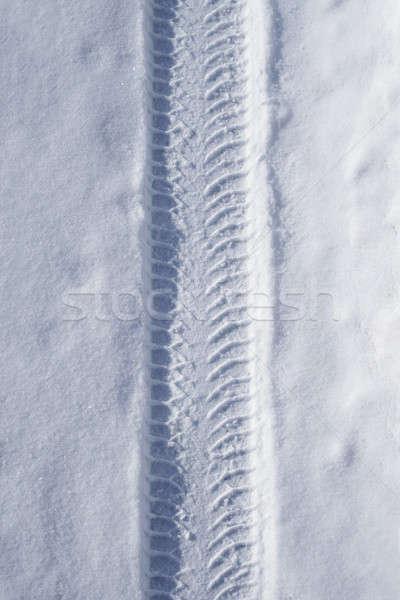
309, 496
71, 88
337, 397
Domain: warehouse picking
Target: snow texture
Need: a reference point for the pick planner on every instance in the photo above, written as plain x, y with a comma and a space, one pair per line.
199, 302
72, 149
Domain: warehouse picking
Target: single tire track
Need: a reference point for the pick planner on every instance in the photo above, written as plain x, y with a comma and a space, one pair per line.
200, 522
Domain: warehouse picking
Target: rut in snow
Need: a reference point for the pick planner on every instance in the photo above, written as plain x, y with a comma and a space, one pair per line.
201, 518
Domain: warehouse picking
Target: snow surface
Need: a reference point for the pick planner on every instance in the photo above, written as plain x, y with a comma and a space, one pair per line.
337, 395
71, 112
74, 96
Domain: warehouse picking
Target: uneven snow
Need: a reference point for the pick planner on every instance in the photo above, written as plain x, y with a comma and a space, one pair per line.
73, 121
72, 150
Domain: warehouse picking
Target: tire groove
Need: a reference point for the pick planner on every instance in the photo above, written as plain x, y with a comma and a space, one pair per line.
198, 478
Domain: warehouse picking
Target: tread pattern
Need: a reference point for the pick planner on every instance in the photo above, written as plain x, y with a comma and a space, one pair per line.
199, 498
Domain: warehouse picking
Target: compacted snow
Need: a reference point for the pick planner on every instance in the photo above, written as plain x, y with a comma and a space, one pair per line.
200, 300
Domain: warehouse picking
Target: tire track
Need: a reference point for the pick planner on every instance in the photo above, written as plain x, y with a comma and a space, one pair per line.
201, 509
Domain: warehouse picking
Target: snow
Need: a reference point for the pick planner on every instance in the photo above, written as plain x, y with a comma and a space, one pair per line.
323, 96
336, 378
71, 113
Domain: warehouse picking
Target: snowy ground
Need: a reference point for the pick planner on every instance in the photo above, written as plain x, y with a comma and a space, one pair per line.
200, 300
71, 129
